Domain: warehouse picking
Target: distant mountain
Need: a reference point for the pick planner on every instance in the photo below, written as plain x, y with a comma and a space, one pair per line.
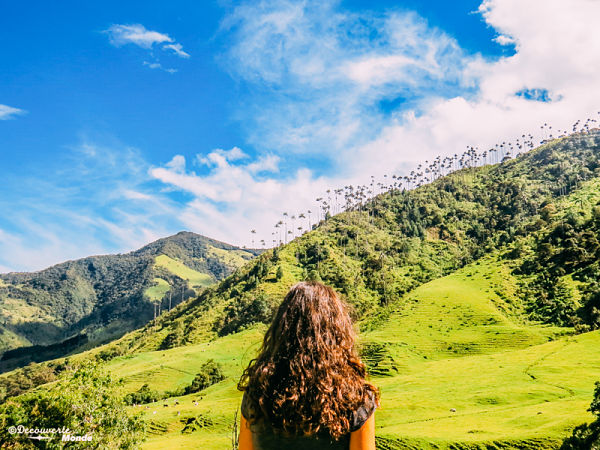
99, 298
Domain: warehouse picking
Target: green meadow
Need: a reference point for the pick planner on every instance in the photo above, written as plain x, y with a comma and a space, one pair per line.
194, 278
456, 364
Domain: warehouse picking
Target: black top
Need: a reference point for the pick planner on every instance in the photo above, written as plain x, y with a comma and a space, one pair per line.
265, 439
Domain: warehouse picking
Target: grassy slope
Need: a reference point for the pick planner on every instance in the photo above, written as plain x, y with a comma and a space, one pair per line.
507, 380
454, 342
196, 280
233, 258
158, 291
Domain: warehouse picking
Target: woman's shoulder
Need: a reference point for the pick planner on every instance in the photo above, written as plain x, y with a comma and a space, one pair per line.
246, 407
364, 411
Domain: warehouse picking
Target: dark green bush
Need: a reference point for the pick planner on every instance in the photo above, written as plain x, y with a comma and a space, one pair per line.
141, 396
210, 373
586, 436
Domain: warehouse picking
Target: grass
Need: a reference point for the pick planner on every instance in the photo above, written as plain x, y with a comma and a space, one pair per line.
157, 292
472, 311
457, 342
516, 395
194, 278
232, 258
170, 369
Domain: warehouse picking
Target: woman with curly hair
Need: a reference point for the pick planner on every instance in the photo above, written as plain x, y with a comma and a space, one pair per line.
307, 388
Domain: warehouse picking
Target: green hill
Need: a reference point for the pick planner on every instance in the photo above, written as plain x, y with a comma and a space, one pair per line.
450, 344
476, 296
99, 298
384, 248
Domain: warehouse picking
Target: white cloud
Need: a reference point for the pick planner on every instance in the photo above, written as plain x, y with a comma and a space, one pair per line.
378, 69
320, 73
504, 40
156, 65
131, 194
234, 198
267, 163
177, 49
177, 164
135, 34
8, 112
220, 156
153, 65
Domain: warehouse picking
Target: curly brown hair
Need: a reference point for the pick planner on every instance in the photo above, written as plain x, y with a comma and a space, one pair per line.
308, 377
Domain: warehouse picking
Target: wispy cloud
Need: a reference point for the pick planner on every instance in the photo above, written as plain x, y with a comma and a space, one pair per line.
321, 72
137, 34
96, 198
239, 193
177, 49
157, 65
8, 112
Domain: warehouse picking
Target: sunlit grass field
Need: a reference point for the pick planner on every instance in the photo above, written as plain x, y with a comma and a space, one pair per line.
194, 278
460, 366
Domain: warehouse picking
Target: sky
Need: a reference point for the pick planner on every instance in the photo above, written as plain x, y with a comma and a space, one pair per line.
123, 122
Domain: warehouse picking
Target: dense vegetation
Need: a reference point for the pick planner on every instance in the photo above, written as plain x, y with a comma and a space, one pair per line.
210, 373
23, 380
564, 265
143, 395
102, 297
85, 401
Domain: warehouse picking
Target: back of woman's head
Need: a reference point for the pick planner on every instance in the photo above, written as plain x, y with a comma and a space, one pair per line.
307, 377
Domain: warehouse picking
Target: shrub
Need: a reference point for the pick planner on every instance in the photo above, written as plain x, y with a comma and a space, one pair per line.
141, 396
279, 274
210, 373
174, 338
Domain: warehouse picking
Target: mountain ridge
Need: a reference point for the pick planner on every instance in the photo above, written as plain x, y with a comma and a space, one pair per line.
103, 296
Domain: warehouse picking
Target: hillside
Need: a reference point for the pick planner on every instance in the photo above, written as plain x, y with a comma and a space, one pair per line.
450, 344
476, 296
99, 298
384, 248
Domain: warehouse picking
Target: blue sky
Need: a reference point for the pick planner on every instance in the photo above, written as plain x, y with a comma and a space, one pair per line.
122, 122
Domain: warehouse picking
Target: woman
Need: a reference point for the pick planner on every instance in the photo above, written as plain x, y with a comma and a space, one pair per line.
307, 389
